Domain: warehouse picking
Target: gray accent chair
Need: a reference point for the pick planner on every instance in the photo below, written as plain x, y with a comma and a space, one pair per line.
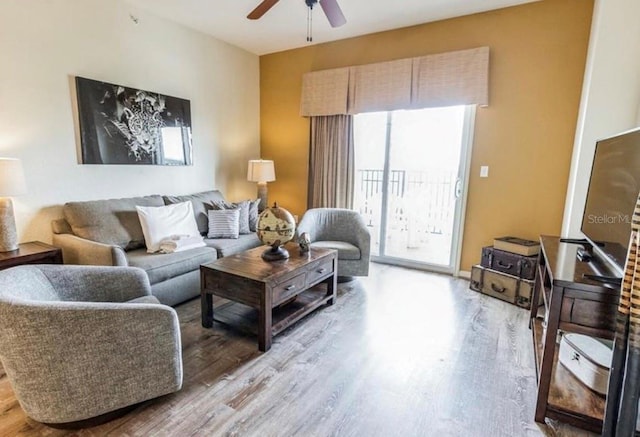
343, 230
78, 342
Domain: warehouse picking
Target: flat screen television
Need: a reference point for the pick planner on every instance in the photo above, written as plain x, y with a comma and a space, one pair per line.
612, 195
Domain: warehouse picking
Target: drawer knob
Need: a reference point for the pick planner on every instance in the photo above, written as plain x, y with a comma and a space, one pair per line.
322, 270
290, 287
497, 289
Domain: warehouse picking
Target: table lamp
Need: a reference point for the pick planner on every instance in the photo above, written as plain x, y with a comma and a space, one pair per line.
12, 183
261, 171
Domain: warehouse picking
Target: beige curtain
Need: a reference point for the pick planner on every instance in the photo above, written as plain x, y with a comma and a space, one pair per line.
331, 162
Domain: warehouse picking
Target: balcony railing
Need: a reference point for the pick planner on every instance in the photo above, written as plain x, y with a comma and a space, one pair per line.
420, 202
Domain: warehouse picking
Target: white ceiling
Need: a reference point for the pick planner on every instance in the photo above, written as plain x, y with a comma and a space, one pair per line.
285, 25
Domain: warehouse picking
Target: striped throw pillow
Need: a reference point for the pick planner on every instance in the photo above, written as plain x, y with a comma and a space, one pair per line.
243, 207
224, 223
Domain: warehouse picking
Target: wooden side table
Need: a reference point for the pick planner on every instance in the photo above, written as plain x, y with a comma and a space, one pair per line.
33, 252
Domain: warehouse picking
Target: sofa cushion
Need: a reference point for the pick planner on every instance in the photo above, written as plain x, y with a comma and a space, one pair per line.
202, 202
163, 266
345, 250
110, 221
227, 246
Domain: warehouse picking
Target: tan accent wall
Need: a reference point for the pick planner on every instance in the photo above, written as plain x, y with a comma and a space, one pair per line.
538, 54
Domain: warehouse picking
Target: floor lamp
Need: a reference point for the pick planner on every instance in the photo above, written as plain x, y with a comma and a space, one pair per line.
261, 171
12, 183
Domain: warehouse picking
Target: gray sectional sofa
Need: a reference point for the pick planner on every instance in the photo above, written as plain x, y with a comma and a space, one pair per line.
108, 233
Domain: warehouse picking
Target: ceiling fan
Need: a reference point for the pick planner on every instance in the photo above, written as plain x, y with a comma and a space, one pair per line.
330, 8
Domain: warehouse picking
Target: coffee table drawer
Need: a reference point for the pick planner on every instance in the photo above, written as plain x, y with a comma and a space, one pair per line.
285, 290
319, 271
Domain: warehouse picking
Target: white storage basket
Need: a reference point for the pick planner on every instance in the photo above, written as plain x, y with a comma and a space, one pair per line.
588, 358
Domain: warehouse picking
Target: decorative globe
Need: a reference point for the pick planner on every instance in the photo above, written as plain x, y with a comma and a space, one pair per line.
275, 227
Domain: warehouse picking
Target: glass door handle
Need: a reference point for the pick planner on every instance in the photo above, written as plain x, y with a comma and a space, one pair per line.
458, 188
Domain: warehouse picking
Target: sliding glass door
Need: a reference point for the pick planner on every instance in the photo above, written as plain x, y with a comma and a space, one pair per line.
411, 168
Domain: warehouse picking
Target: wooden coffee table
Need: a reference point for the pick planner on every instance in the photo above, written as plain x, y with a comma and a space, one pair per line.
282, 292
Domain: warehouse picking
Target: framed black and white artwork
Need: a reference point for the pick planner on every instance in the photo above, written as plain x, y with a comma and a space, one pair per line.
121, 125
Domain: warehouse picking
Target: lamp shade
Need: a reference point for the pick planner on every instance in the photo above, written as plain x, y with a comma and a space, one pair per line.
12, 182
261, 170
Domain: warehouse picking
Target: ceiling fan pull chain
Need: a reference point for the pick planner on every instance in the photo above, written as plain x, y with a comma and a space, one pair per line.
310, 23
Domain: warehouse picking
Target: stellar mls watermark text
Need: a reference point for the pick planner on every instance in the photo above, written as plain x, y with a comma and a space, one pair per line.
608, 218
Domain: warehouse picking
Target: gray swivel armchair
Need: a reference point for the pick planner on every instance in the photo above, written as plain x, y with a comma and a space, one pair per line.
78, 342
343, 230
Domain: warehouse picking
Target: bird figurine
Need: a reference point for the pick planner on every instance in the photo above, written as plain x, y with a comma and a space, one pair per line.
304, 241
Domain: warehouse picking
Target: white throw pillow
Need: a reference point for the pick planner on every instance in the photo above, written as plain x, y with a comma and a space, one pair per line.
161, 222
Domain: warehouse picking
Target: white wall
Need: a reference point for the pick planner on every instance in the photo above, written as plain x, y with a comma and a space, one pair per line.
44, 43
610, 95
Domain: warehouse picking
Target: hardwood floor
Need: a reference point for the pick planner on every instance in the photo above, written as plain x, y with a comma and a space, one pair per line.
401, 353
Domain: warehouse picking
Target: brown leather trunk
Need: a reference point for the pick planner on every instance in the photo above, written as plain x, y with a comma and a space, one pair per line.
523, 267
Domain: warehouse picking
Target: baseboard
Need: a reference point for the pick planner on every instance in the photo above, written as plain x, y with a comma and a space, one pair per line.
464, 274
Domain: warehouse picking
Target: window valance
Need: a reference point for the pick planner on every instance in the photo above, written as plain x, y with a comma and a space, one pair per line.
325, 92
383, 86
453, 78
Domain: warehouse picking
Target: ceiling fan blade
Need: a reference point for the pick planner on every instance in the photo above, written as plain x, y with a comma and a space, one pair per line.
261, 9
333, 12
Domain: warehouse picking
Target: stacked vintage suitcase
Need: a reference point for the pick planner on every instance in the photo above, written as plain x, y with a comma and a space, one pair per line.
507, 270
